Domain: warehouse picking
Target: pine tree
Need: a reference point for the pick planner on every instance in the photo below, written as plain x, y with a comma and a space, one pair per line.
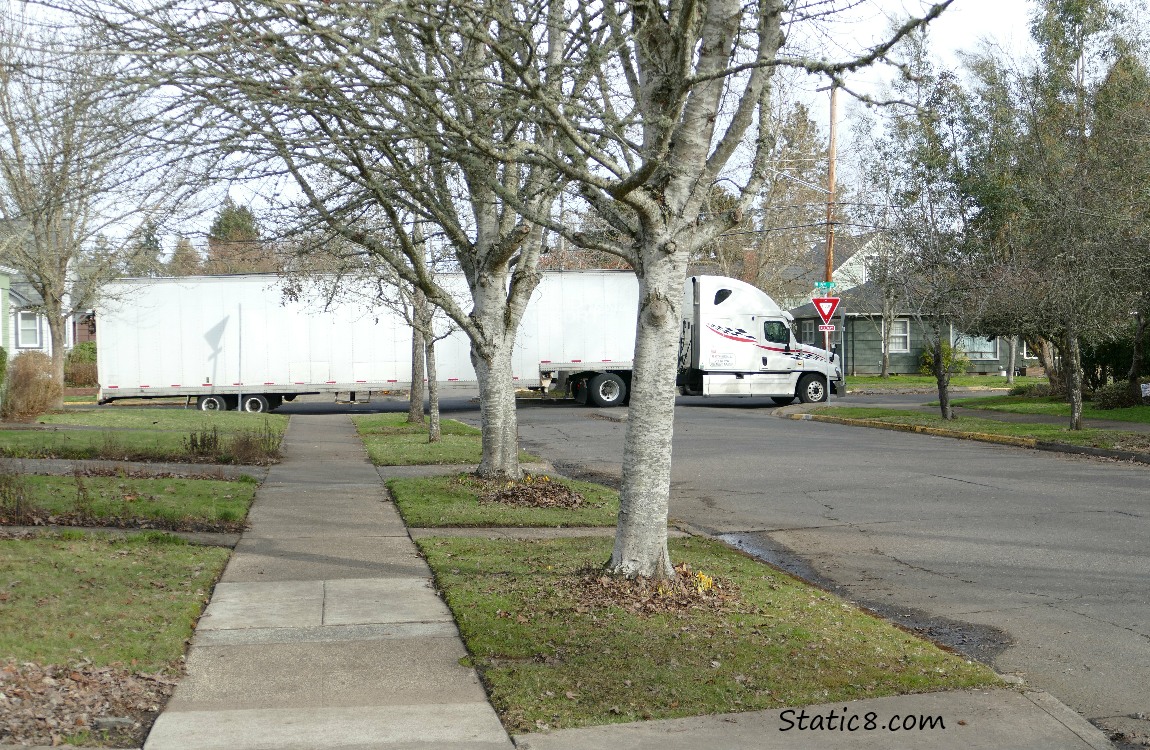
234, 243
185, 260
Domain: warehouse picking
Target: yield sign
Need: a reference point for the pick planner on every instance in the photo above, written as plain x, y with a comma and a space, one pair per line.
826, 307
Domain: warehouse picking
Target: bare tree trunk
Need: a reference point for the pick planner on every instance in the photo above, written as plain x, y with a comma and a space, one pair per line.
415, 398
887, 324
433, 429
1072, 367
497, 408
56, 332
641, 534
1135, 373
1048, 358
942, 376
1012, 359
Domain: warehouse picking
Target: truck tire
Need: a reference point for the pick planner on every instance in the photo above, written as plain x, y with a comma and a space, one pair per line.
812, 389
607, 389
211, 403
256, 403
783, 400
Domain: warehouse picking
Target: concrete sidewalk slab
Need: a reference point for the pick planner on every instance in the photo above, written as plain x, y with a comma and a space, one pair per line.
967, 720
324, 558
469, 726
327, 674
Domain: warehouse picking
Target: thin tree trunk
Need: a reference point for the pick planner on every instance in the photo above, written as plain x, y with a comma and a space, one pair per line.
1072, 368
56, 333
1012, 359
1048, 358
415, 397
887, 324
641, 535
942, 377
1135, 373
433, 429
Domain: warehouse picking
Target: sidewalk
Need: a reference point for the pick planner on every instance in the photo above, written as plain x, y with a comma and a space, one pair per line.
325, 633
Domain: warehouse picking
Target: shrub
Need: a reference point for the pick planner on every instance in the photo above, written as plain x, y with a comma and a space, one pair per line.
954, 360
80, 366
30, 390
255, 447
83, 353
1032, 390
81, 375
3, 367
1116, 395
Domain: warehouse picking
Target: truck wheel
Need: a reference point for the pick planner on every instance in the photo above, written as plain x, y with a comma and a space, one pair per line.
783, 400
211, 403
812, 389
256, 404
607, 389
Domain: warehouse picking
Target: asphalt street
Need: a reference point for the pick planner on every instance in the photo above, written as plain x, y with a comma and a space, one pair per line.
1035, 563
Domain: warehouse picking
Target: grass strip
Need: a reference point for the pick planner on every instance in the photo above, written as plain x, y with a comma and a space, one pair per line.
1053, 407
130, 602
114, 501
178, 420
554, 657
391, 441
894, 382
454, 501
977, 426
150, 435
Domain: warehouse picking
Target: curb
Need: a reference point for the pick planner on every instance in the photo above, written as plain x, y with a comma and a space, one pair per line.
1042, 445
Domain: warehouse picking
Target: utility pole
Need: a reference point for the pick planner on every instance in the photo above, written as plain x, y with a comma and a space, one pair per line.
830, 269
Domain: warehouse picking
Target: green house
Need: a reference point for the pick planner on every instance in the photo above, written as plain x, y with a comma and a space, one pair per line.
861, 346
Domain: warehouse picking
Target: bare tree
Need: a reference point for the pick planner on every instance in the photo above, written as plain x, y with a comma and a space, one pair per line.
310, 92
660, 102
643, 106
73, 169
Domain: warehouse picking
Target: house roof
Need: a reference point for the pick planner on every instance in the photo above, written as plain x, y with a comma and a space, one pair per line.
846, 247
862, 301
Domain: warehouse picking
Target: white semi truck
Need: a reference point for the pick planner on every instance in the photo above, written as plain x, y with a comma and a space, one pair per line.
237, 342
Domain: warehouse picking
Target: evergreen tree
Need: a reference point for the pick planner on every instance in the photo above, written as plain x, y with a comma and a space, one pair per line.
234, 243
186, 260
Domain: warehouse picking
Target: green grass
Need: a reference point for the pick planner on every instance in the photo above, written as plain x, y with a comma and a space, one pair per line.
443, 501
551, 659
130, 602
1095, 438
170, 501
391, 441
148, 435
927, 381
1054, 407
178, 420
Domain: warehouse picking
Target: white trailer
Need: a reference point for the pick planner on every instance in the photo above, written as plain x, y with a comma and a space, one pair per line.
233, 342
238, 342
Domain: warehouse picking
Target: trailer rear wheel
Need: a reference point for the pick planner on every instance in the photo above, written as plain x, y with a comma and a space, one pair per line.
607, 389
256, 403
812, 389
211, 403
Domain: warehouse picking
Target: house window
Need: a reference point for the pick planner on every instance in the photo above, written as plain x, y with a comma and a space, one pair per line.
900, 336
807, 331
977, 347
28, 335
